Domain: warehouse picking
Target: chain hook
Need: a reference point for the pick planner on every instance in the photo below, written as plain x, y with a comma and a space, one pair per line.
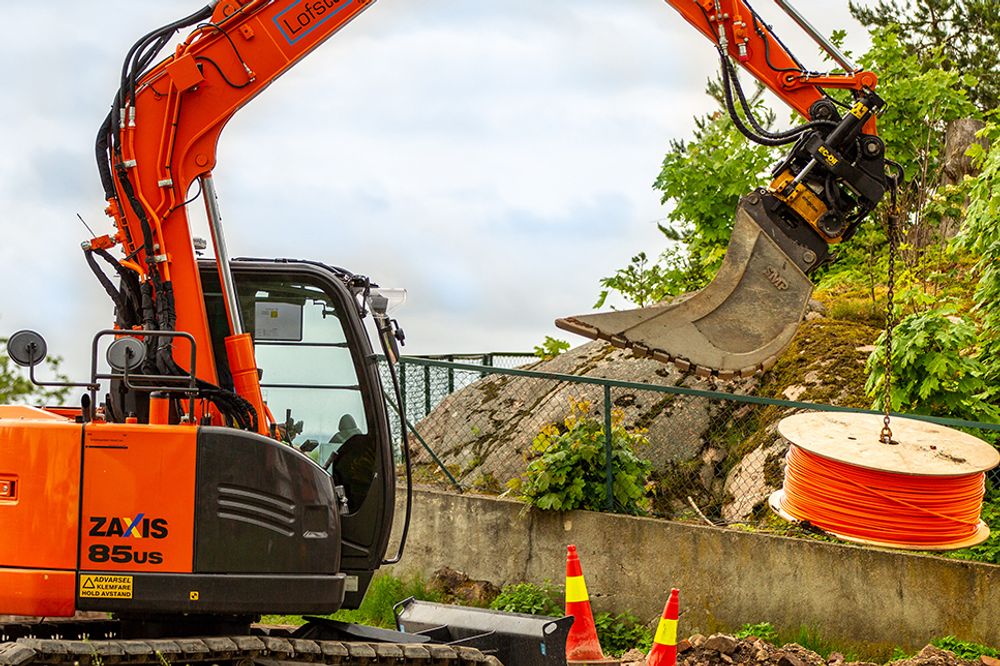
892, 223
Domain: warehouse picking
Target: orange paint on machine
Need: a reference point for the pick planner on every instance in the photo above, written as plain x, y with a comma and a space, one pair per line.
39, 511
138, 498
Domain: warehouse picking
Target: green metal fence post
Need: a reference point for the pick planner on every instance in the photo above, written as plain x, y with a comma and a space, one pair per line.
609, 453
451, 376
402, 396
427, 390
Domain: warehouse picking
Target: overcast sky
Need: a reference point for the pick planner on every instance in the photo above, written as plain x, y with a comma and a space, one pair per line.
495, 159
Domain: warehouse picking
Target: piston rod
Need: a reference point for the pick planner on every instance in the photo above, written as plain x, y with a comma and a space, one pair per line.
835, 53
222, 254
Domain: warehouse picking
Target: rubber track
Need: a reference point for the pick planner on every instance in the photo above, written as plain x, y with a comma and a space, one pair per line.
242, 650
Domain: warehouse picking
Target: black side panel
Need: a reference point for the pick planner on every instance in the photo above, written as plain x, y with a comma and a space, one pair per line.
262, 507
199, 594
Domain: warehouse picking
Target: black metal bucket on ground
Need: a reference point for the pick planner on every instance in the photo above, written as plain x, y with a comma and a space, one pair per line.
514, 639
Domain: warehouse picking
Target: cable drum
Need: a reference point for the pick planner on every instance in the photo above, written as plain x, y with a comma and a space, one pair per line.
924, 492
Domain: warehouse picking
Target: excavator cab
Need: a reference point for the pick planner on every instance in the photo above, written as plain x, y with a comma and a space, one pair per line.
188, 523
321, 383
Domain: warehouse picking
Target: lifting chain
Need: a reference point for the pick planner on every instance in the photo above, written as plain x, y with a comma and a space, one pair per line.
892, 223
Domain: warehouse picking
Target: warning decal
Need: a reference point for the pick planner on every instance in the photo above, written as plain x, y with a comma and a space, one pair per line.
105, 587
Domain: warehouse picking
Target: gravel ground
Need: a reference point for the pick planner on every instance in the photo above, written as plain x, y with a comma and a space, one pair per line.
723, 650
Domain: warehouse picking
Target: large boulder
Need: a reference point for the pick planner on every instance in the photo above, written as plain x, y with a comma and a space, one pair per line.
484, 432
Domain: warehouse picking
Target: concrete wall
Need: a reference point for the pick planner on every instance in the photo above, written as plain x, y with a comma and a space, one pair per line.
726, 577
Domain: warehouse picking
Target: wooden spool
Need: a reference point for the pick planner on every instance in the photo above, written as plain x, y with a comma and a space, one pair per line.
919, 449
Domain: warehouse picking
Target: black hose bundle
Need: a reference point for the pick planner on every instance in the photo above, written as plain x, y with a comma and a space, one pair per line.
758, 134
150, 304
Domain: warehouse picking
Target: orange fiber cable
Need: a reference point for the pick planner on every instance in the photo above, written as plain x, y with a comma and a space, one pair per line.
891, 508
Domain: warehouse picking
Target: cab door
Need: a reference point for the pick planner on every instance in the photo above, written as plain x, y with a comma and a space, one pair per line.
320, 382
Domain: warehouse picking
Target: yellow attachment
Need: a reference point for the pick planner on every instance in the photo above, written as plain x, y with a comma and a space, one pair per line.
859, 111
803, 201
666, 633
576, 590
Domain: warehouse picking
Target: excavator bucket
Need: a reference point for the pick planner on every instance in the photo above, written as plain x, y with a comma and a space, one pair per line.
736, 326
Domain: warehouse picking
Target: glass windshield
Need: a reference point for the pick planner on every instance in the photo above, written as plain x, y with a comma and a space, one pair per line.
309, 378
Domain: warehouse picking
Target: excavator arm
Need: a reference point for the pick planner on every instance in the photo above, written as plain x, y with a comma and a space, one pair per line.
160, 141
831, 179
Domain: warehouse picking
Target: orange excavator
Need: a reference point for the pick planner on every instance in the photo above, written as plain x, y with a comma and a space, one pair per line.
232, 456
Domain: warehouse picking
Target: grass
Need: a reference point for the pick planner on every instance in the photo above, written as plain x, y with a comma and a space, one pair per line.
812, 638
618, 633
376, 610
808, 637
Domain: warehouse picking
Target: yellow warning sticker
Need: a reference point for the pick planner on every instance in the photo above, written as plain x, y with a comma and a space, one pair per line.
105, 587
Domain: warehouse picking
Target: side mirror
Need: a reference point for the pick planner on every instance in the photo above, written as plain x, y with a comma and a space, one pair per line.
309, 445
126, 354
27, 348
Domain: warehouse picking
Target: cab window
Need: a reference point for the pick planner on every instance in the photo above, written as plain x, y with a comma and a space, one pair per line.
309, 376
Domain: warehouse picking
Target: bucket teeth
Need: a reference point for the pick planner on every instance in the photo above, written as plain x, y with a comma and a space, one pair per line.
737, 326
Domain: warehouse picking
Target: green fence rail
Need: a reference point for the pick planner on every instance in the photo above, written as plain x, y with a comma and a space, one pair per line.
457, 438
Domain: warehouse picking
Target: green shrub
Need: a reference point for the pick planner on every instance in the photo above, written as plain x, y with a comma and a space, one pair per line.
934, 371
621, 633
385, 592
550, 348
964, 649
529, 599
762, 630
571, 470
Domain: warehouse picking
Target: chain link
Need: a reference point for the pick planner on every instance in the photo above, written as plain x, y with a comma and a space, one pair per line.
890, 314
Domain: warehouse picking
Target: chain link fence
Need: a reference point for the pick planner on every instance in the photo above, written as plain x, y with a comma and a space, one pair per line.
703, 456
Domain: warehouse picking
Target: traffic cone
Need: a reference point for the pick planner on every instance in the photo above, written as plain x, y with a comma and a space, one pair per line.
664, 651
581, 644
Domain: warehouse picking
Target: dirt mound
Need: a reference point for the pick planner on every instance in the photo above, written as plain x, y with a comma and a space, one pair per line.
723, 650
457, 588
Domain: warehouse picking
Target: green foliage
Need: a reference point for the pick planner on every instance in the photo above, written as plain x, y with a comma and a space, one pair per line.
551, 348
570, 471
15, 387
981, 236
529, 599
965, 649
922, 96
957, 35
617, 633
384, 592
762, 630
898, 654
934, 373
704, 180
645, 284
620, 633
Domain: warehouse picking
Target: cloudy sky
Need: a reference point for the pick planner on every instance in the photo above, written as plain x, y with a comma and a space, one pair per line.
495, 159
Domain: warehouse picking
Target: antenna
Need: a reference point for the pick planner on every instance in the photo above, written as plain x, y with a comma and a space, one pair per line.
80, 217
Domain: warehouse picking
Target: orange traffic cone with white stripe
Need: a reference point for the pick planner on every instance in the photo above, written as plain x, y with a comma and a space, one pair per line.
582, 645
664, 651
